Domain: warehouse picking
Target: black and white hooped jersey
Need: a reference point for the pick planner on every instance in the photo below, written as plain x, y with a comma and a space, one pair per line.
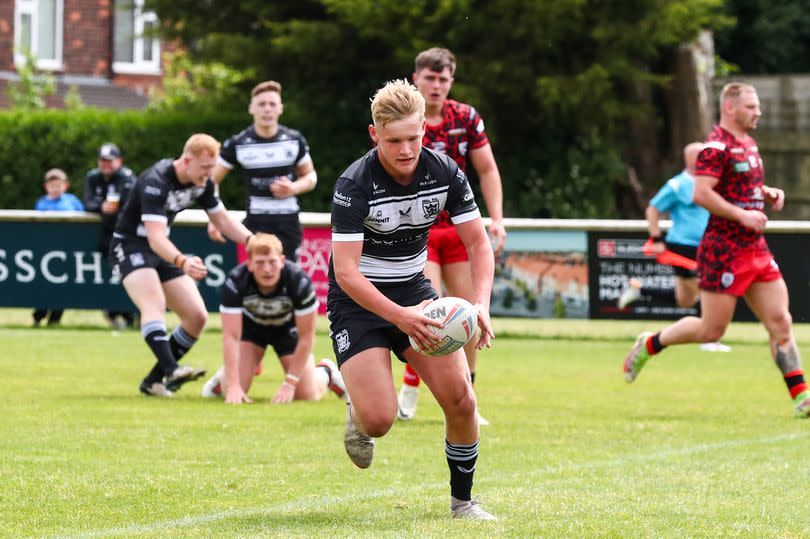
159, 196
263, 161
294, 295
393, 220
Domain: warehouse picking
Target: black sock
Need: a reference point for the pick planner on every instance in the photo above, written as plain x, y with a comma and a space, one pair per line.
180, 342
660, 293
155, 375
655, 343
461, 460
154, 333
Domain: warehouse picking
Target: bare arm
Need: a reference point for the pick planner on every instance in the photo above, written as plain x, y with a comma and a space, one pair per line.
217, 175
230, 227
482, 266
160, 243
410, 320
306, 180
706, 196
484, 162
231, 335
303, 350
653, 216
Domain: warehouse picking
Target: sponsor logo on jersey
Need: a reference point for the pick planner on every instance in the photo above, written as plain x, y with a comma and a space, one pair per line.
136, 259
430, 207
468, 196
150, 190
378, 218
404, 213
342, 340
742, 167
456, 131
342, 200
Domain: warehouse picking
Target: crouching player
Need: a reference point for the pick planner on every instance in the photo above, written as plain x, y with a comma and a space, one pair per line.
382, 208
269, 301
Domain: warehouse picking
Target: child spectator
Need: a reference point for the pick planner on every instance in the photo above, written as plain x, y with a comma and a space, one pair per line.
56, 199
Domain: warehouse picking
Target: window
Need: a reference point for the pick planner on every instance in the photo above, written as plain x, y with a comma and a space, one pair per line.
137, 49
38, 30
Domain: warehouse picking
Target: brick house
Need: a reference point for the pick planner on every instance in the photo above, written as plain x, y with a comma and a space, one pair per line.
100, 46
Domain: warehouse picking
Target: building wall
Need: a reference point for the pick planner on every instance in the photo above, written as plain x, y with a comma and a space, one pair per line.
6, 35
87, 45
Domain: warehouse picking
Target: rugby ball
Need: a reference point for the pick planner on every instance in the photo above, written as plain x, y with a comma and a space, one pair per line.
460, 322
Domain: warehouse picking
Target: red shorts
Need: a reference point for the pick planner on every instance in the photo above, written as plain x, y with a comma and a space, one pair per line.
445, 246
736, 275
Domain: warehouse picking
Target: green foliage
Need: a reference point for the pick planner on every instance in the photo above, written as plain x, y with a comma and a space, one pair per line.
30, 91
769, 37
550, 77
73, 99
188, 85
70, 139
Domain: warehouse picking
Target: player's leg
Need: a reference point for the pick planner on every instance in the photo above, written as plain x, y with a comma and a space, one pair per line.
144, 289
686, 291
769, 301
716, 312
183, 297
449, 381
457, 278
372, 406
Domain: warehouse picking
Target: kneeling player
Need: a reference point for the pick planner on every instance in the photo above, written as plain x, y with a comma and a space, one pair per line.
270, 301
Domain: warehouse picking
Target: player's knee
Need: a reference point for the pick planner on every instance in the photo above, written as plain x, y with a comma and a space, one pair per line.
779, 326
378, 424
195, 321
464, 404
713, 333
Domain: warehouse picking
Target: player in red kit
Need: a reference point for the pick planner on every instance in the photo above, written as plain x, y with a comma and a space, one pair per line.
733, 257
457, 130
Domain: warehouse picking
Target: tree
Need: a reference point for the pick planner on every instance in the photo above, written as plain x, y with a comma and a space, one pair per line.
568, 88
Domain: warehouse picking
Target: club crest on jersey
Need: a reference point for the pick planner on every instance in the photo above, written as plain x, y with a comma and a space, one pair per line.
727, 279
742, 166
430, 207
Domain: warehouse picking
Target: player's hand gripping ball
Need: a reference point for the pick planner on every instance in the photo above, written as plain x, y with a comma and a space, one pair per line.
460, 324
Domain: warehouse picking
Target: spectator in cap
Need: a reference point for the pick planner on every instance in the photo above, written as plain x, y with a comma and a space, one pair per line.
105, 192
56, 199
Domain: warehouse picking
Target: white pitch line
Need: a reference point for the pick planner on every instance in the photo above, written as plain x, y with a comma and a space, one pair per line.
308, 503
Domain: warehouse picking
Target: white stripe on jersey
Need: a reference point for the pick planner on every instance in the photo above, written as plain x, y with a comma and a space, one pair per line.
307, 310
216, 209
423, 193
304, 160
716, 144
347, 237
464, 217
393, 269
286, 205
268, 155
141, 231
230, 310
156, 218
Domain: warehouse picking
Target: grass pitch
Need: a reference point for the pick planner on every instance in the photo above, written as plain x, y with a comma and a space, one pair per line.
701, 445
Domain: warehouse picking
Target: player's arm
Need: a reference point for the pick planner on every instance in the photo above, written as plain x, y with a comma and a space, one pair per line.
306, 179
482, 266
305, 324
410, 320
706, 196
484, 162
774, 196
231, 335
162, 246
653, 217
220, 170
227, 225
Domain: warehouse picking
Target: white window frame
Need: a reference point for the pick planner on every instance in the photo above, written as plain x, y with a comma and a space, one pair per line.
30, 7
138, 66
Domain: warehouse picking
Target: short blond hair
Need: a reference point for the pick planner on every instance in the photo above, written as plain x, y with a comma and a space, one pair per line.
266, 86
264, 244
397, 100
200, 143
733, 90
56, 174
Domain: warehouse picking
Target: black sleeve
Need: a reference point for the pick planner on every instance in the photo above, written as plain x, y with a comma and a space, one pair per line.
303, 295
460, 199
349, 210
153, 193
208, 200
127, 183
91, 203
228, 152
